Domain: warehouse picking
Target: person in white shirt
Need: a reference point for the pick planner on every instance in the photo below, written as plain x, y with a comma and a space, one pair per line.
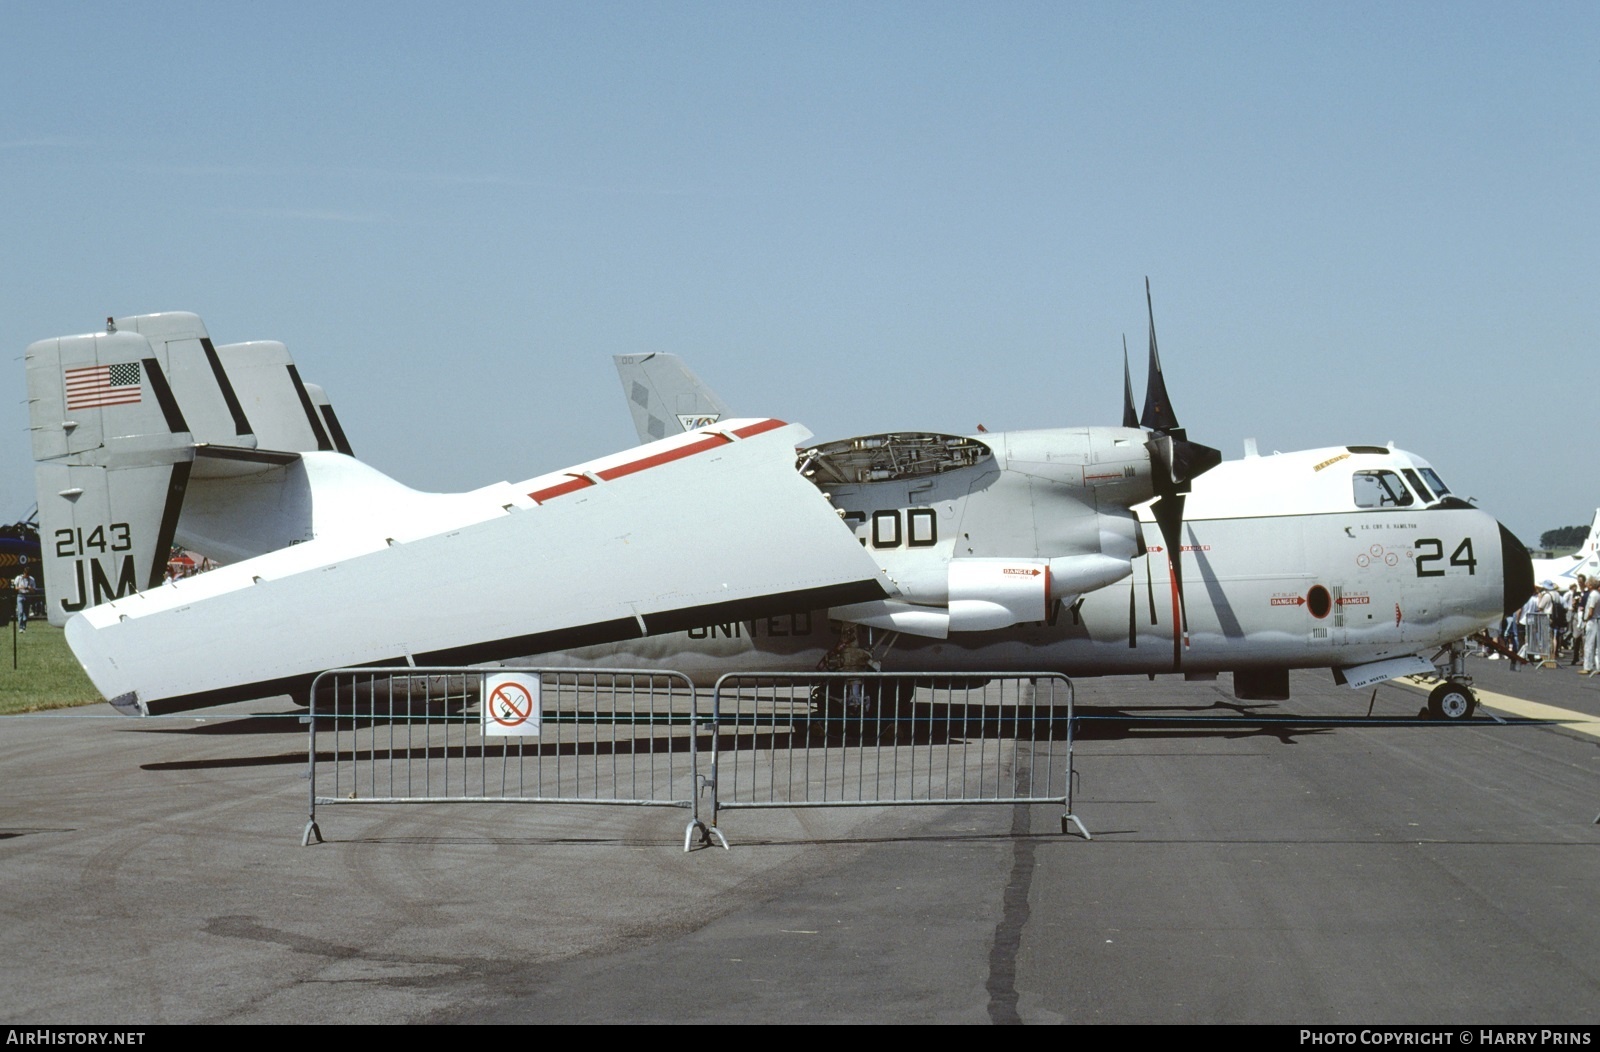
24, 585
1591, 630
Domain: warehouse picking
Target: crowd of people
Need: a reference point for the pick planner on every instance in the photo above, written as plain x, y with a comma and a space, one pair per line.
1555, 621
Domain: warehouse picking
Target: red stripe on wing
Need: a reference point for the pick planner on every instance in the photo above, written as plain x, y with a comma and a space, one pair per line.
576, 482
710, 441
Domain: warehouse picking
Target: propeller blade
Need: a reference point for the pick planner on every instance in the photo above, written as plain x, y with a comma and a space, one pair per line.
1158, 414
1150, 593
1174, 464
1179, 459
1133, 612
1169, 516
1129, 417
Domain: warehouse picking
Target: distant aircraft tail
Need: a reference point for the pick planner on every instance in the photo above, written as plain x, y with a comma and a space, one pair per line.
147, 435
1564, 571
665, 397
1591, 546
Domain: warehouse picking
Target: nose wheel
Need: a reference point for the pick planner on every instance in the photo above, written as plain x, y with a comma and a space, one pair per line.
864, 698
1452, 701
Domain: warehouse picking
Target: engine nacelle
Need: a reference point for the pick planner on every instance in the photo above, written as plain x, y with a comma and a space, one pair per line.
1073, 575
986, 594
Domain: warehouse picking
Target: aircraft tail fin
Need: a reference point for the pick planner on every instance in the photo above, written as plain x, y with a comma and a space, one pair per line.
281, 408
665, 397
330, 422
111, 445
1591, 545
128, 423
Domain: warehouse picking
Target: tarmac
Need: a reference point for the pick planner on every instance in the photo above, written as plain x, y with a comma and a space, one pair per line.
1291, 862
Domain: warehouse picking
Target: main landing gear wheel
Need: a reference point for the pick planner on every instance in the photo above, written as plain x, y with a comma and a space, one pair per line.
864, 699
1452, 701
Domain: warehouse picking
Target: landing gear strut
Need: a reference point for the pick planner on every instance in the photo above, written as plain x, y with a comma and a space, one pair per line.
869, 697
863, 698
1453, 699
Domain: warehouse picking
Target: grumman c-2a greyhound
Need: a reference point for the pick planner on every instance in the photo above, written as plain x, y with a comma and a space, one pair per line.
1021, 551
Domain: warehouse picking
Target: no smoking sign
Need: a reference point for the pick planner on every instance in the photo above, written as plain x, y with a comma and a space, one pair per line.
510, 704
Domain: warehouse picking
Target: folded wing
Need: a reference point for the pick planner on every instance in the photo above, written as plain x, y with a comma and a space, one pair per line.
705, 527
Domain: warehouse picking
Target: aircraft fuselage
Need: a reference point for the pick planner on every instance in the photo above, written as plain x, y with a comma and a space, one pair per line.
1326, 583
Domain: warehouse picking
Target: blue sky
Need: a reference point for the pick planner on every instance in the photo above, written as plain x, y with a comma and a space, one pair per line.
1362, 222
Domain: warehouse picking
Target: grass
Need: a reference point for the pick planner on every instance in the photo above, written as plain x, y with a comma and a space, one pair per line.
47, 676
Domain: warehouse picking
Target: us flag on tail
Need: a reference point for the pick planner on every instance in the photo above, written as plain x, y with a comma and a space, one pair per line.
93, 386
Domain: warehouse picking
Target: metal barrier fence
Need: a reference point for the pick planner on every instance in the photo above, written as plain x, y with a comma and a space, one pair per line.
852, 739
501, 735
645, 738
1538, 638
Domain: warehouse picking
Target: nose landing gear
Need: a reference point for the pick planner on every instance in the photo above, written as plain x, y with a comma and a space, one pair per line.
1453, 698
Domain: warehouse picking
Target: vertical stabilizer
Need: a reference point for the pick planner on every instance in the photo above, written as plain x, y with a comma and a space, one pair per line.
149, 435
665, 397
113, 449
278, 405
179, 343
330, 422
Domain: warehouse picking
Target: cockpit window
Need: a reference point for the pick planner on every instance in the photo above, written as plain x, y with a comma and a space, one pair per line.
1380, 489
1435, 481
1417, 485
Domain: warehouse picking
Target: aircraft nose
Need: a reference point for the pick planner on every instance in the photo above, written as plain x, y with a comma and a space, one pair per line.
1518, 570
